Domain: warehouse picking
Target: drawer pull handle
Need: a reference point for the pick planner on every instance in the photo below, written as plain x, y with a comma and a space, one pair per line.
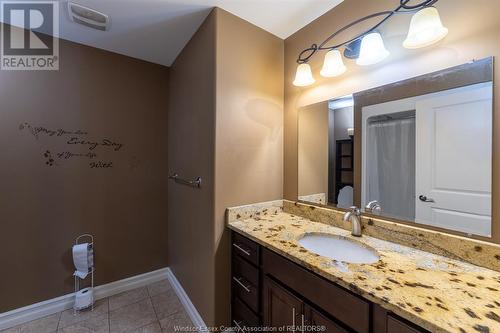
241, 249
238, 280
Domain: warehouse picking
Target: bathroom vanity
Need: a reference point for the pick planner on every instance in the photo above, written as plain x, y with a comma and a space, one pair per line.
400, 157
270, 290
276, 282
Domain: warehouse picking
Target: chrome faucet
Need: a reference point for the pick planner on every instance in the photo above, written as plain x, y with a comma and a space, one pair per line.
374, 207
353, 217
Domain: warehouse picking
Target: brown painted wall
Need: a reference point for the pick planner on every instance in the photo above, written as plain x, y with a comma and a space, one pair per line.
474, 34
249, 131
226, 118
191, 142
43, 208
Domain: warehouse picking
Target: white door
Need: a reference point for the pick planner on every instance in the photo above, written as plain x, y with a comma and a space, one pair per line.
453, 162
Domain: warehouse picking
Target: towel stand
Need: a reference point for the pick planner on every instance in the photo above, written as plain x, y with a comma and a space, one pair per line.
90, 240
179, 180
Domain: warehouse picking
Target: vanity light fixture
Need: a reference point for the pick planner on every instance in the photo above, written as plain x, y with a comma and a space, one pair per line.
333, 65
304, 76
426, 29
368, 47
372, 50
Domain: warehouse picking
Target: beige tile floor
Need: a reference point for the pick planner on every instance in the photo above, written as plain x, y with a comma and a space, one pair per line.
151, 309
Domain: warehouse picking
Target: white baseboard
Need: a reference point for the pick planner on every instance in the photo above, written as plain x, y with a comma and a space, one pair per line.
186, 302
51, 306
35, 311
130, 283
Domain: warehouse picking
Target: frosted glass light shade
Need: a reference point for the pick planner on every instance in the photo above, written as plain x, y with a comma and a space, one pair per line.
426, 29
303, 76
333, 65
372, 50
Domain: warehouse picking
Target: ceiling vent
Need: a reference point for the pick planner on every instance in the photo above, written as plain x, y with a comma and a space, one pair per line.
88, 17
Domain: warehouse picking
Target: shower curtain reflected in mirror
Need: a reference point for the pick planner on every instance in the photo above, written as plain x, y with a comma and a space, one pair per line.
391, 165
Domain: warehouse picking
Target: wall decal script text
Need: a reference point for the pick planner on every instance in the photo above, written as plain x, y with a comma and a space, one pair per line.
94, 144
36, 130
74, 139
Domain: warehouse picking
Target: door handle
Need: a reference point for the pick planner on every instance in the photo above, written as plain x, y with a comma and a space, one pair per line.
293, 321
425, 199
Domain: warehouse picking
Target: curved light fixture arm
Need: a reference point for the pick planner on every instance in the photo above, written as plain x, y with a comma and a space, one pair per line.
403, 8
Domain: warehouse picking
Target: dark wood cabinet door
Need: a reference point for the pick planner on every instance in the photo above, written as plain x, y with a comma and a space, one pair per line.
351, 310
282, 310
321, 322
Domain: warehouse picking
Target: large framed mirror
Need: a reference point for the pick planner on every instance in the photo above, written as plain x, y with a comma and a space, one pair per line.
417, 151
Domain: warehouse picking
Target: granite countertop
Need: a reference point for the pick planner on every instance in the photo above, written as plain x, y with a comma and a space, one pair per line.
435, 292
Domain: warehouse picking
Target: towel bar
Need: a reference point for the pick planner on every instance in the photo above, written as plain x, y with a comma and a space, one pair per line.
193, 183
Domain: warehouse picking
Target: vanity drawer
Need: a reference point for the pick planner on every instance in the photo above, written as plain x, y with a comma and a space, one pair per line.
395, 325
245, 283
246, 248
242, 315
338, 302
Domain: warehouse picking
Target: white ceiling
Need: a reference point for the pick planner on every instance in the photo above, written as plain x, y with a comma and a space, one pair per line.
157, 30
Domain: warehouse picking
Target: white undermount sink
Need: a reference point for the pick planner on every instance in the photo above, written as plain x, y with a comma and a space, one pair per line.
339, 248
